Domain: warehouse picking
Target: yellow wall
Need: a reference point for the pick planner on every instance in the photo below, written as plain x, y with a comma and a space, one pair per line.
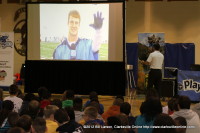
180, 21
7, 13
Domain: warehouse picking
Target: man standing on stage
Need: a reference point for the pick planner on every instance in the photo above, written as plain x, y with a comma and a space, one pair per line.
155, 60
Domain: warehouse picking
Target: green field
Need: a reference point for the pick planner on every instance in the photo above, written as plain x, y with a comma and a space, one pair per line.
47, 49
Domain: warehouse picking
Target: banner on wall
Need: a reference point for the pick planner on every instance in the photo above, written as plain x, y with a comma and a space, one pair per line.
189, 84
6, 58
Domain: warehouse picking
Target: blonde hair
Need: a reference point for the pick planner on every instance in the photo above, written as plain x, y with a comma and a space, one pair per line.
74, 13
49, 110
91, 112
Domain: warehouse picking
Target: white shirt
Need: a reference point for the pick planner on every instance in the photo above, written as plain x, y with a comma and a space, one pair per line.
16, 101
156, 60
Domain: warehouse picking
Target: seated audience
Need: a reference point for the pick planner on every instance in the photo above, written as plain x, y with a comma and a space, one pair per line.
13, 118
114, 109
151, 93
42, 92
25, 122
164, 120
90, 116
191, 117
68, 99
126, 109
13, 91
33, 109
78, 106
95, 103
27, 98
64, 123
49, 112
70, 112
151, 108
38, 125
94, 96
172, 106
97, 128
44, 96
114, 121
57, 102
196, 108
181, 121
124, 122
16, 130
7, 107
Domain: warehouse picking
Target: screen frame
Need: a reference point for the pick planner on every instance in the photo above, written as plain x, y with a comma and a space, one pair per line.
83, 2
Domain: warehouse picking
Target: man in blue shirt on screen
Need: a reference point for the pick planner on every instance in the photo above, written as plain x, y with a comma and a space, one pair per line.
75, 48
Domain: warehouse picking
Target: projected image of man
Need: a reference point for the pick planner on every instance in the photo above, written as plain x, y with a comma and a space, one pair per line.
75, 48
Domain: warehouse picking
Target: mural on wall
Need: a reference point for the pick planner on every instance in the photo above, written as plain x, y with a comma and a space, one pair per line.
145, 43
20, 32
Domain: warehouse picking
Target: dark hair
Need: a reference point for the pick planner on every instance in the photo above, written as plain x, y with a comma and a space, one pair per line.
181, 121
151, 108
173, 104
7, 107
78, 104
16, 130
113, 121
125, 108
69, 94
29, 96
156, 46
61, 116
93, 95
184, 102
25, 122
33, 108
164, 120
123, 118
13, 89
44, 93
39, 125
70, 112
13, 118
57, 102
93, 130
94, 103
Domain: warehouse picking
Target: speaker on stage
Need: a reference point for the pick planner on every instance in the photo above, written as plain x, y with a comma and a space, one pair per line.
167, 88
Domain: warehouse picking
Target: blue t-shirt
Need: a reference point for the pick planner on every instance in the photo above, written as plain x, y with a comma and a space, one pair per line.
83, 50
140, 121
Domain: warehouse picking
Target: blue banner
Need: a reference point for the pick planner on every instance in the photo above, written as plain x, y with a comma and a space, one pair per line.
189, 84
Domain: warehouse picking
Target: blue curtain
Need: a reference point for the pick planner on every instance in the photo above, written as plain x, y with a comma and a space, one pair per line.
132, 58
179, 55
